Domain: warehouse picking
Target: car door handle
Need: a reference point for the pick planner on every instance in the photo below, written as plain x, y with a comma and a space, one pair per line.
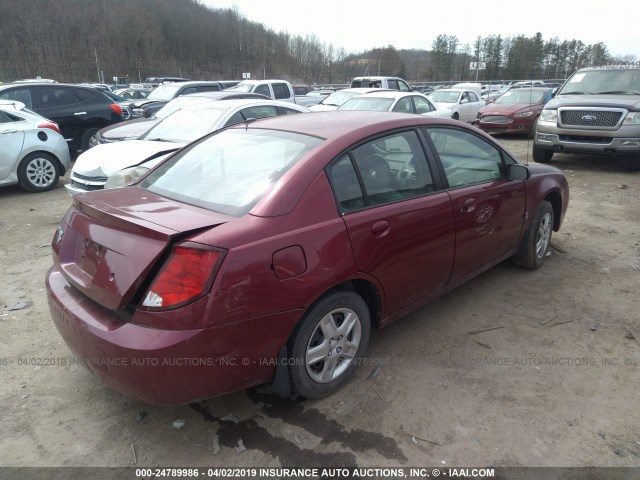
469, 205
80, 113
7, 132
380, 228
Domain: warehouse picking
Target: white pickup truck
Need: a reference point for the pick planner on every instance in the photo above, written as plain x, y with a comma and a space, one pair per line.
277, 90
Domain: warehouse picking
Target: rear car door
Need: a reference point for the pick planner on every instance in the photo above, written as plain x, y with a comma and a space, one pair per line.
11, 139
399, 221
489, 208
60, 104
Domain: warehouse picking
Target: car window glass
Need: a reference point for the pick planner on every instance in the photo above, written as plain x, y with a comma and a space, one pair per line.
346, 187
403, 87
4, 118
403, 105
20, 94
252, 112
393, 168
466, 158
280, 90
55, 97
422, 105
393, 84
188, 90
263, 89
473, 97
83, 95
287, 111
208, 88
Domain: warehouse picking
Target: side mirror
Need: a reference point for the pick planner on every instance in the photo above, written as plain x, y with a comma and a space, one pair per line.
516, 171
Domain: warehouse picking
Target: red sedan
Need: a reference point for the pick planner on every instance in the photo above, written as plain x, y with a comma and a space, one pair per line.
269, 251
516, 111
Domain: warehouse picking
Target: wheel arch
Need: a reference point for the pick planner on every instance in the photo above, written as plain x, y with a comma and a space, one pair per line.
61, 169
555, 199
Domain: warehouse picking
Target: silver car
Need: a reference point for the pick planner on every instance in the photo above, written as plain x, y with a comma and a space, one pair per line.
34, 154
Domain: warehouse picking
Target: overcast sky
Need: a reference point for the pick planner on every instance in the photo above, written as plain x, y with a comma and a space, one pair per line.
362, 25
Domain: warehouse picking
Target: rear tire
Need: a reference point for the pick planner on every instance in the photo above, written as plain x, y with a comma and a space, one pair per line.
542, 156
537, 240
327, 343
38, 172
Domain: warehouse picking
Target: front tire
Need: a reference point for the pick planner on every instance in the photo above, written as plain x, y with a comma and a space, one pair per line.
455, 116
326, 344
542, 156
38, 172
86, 138
537, 240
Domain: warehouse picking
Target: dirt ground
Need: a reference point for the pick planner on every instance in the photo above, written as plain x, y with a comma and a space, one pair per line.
555, 384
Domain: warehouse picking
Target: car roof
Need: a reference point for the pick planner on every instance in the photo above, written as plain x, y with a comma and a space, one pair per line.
190, 83
364, 90
341, 130
224, 93
392, 94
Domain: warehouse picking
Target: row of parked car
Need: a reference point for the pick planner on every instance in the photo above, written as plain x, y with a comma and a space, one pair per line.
90, 115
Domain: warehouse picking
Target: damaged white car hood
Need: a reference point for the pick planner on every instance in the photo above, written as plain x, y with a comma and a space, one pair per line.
106, 159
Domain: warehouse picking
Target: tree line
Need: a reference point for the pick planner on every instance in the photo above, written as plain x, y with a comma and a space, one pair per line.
91, 40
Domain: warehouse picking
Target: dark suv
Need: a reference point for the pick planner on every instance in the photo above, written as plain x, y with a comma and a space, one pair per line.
79, 111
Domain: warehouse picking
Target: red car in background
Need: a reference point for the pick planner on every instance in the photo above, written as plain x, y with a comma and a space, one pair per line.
516, 111
270, 250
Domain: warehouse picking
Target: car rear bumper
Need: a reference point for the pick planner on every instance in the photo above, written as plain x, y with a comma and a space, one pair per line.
165, 367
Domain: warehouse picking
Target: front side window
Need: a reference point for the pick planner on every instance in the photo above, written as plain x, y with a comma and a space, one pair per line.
466, 158
403, 87
229, 172
18, 94
252, 112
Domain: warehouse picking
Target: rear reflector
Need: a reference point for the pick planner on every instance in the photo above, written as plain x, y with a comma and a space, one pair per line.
186, 276
116, 108
50, 125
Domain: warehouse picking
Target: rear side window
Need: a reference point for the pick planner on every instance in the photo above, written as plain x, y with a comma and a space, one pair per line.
393, 84
55, 97
386, 170
84, 95
345, 185
20, 94
280, 91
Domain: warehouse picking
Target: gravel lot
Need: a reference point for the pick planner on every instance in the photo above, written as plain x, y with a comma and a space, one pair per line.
552, 381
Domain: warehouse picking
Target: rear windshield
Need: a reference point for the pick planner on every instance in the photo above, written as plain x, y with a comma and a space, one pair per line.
164, 93
229, 172
367, 103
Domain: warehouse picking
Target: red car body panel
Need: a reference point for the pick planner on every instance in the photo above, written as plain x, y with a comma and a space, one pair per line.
290, 249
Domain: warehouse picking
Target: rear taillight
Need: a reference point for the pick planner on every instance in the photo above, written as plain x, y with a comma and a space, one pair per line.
186, 275
116, 108
50, 125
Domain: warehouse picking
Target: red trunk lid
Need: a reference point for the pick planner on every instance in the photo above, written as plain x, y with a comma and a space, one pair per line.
111, 240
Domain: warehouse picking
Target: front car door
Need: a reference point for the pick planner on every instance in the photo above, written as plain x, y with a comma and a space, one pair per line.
489, 208
399, 220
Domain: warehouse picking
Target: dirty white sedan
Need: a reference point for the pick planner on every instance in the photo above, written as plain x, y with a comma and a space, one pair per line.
115, 164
